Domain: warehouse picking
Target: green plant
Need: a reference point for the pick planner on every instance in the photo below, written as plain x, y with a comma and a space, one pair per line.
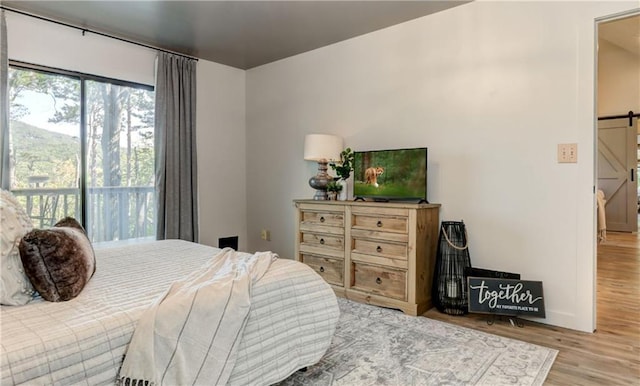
334, 186
345, 166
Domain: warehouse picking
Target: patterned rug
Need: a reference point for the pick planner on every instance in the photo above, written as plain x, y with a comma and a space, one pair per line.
378, 346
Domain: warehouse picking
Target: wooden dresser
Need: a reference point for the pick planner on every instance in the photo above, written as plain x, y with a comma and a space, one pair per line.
371, 252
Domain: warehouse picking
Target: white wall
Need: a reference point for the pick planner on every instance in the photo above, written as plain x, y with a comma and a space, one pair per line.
618, 80
38, 42
221, 137
220, 109
490, 88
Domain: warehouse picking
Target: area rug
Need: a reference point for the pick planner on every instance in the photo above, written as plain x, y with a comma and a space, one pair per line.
379, 346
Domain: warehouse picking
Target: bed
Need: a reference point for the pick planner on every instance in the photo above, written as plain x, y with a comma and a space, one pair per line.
83, 341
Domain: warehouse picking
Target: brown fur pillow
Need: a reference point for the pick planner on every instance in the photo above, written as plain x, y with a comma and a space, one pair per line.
58, 261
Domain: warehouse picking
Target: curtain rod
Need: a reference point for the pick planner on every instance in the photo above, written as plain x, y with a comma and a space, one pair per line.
85, 30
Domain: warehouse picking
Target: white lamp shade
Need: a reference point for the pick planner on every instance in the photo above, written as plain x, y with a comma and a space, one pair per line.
322, 146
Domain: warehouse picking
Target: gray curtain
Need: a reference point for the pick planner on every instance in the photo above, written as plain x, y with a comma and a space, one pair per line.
175, 144
4, 108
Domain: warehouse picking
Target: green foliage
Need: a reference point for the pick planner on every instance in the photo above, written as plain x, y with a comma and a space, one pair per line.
345, 166
39, 152
115, 114
334, 186
119, 149
64, 91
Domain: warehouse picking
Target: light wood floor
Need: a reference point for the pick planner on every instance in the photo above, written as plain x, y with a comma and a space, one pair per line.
611, 355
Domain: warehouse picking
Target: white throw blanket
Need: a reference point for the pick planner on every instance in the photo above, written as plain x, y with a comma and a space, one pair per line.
190, 334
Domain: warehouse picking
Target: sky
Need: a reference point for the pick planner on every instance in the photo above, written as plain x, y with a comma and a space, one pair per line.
41, 108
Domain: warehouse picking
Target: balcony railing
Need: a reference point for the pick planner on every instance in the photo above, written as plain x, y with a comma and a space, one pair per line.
114, 213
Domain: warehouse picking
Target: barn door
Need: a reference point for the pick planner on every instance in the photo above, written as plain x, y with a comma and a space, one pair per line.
617, 162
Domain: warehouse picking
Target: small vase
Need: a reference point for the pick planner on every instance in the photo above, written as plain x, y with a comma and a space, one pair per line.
342, 196
332, 195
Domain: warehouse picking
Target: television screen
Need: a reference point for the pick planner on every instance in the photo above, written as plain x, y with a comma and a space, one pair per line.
399, 174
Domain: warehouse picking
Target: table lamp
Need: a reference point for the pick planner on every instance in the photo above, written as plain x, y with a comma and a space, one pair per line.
321, 148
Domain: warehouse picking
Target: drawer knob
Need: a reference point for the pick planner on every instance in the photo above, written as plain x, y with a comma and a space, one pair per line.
321, 269
379, 249
379, 224
322, 219
378, 281
322, 241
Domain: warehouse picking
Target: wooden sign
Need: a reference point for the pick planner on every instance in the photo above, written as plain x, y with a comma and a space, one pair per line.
505, 296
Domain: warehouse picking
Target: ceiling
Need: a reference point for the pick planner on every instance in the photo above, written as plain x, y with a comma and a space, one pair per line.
624, 33
247, 34
242, 34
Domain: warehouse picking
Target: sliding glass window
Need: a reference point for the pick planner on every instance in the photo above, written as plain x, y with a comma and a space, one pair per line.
82, 146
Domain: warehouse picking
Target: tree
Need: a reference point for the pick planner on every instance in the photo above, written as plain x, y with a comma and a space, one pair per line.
139, 119
112, 112
64, 93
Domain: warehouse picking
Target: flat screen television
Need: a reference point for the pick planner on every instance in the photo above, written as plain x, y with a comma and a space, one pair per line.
385, 175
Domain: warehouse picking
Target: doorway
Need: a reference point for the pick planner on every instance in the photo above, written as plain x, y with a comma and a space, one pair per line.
618, 108
618, 111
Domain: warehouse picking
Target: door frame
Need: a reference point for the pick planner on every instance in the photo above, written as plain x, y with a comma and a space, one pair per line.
597, 22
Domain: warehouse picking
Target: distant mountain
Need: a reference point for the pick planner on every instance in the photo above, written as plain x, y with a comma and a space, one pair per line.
40, 152
22, 133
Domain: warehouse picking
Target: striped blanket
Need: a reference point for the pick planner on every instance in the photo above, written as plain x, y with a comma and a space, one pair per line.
175, 343
83, 341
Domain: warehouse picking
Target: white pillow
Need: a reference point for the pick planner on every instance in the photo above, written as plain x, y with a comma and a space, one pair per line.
15, 287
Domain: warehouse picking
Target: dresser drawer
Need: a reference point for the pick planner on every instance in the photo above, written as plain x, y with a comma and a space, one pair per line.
331, 270
323, 218
380, 248
322, 244
383, 281
321, 240
395, 224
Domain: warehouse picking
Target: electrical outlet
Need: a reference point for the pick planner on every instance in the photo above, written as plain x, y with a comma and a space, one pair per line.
567, 153
265, 235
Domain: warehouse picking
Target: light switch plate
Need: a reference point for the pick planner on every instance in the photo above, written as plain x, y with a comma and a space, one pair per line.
567, 153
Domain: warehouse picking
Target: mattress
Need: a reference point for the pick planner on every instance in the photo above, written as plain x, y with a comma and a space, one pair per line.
83, 341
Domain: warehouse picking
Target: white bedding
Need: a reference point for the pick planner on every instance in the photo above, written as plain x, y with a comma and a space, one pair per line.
82, 341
